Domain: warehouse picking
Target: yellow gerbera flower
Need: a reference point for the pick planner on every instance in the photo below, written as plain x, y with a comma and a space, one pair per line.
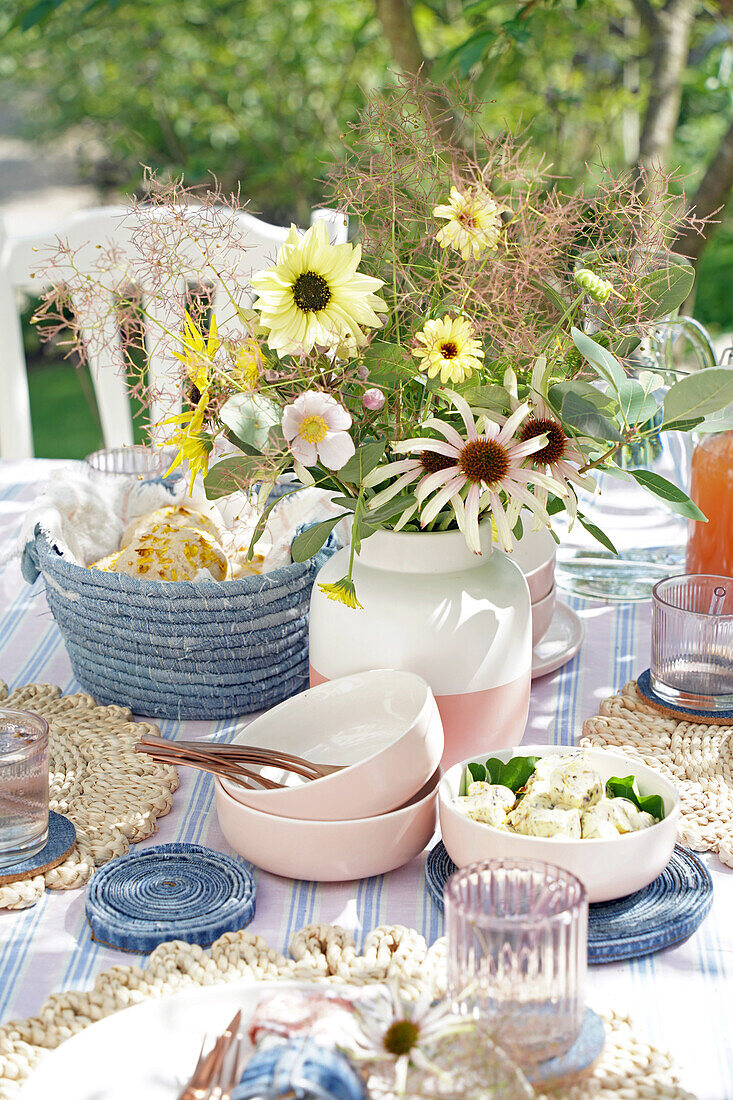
198, 352
342, 591
314, 296
473, 222
194, 446
449, 349
247, 365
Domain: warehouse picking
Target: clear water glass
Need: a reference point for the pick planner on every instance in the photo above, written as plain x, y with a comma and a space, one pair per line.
23, 785
692, 641
517, 954
141, 463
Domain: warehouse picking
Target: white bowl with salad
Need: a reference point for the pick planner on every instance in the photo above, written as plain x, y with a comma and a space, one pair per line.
607, 818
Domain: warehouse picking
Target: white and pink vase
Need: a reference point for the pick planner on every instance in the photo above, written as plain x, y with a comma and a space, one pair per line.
460, 620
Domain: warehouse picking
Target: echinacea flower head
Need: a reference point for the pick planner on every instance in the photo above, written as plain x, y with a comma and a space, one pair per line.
194, 445
473, 222
560, 456
449, 349
316, 427
314, 296
198, 352
470, 472
342, 591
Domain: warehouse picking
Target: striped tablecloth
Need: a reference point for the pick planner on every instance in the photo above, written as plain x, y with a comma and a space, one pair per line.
683, 997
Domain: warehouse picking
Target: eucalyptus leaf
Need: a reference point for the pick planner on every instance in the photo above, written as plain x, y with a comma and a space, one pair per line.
681, 425
664, 291
705, 391
307, 544
597, 533
675, 498
487, 397
231, 475
602, 400
605, 364
251, 416
366, 458
625, 345
624, 787
637, 403
582, 415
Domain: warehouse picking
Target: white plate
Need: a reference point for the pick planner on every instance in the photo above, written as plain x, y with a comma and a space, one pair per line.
149, 1051
561, 642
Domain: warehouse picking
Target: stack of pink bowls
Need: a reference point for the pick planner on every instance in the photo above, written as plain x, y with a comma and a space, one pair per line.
535, 556
375, 814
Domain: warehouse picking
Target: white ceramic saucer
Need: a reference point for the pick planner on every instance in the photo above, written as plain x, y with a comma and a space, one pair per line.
561, 642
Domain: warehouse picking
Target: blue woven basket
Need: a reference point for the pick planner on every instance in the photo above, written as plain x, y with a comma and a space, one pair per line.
182, 649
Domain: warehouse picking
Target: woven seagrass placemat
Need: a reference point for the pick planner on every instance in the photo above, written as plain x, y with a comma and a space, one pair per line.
629, 1066
696, 757
113, 795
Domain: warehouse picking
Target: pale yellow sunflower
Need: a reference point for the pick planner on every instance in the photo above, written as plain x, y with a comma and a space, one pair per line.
473, 223
314, 296
198, 352
449, 348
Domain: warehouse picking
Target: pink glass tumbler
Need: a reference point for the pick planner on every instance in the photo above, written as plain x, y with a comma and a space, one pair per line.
517, 954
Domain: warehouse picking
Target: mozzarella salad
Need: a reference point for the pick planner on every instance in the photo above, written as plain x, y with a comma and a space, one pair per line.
563, 796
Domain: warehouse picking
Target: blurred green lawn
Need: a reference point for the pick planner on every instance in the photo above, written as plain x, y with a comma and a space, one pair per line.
63, 411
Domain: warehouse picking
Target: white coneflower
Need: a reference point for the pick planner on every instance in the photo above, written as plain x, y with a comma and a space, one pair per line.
486, 462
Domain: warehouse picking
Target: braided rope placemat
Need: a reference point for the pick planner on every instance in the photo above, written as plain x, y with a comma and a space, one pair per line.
113, 795
697, 758
629, 1066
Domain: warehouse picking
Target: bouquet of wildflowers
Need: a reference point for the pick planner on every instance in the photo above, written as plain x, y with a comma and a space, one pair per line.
463, 361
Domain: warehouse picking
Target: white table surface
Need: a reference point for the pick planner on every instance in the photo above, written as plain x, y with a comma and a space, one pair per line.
682, 998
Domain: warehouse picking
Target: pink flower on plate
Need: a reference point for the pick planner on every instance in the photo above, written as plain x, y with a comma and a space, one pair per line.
316, 428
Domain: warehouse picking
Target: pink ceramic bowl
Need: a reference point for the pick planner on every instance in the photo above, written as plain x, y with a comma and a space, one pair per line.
330, 851
535, 556
384, 725
542, 613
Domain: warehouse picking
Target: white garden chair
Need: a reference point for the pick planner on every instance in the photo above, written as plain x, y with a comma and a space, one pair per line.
20, 259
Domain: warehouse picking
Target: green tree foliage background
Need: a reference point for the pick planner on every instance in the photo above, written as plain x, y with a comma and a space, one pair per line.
257, 92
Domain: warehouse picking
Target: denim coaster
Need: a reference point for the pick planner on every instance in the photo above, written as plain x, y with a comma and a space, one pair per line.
586, 1049
172, 892
705, 717
300, 1069
665, 912
61, 839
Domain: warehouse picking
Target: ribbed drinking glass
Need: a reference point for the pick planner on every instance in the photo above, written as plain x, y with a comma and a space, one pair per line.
141, 463
517, 954
692, 641
23, 785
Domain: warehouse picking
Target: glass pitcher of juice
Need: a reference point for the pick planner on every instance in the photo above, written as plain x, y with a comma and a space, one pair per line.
710, 545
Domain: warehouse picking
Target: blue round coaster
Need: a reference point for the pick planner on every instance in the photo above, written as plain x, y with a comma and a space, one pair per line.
706, 717
172, 892
61, 839
586, 1049
664, 913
